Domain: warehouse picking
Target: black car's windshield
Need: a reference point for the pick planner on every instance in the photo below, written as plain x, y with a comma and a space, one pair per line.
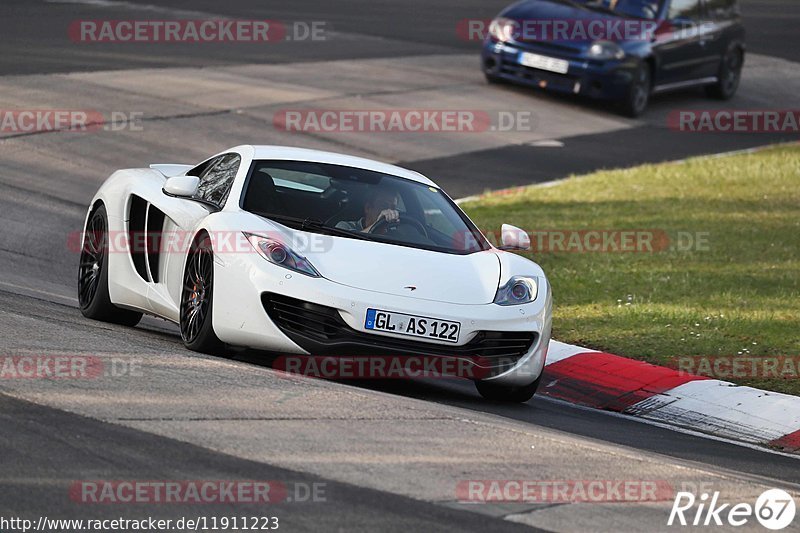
644, 9
358, 203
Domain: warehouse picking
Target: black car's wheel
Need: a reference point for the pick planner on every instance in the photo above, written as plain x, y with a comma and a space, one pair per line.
505, 393
197, 299
93, 298
729, 75
638, 95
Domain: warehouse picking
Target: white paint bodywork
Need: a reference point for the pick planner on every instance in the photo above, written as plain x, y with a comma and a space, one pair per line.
355, 274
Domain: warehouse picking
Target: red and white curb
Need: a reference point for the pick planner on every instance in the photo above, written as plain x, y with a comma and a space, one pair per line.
613, 383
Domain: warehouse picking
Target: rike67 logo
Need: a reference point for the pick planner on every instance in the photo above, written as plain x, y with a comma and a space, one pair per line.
774, 509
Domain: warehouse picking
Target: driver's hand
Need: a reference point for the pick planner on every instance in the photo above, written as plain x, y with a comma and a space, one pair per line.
390, 215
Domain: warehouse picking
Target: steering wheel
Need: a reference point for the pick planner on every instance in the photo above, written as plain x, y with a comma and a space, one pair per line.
383, 223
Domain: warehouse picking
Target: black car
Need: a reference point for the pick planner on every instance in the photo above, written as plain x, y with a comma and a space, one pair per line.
622, 50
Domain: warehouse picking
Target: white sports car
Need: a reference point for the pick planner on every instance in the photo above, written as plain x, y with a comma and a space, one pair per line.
296, 251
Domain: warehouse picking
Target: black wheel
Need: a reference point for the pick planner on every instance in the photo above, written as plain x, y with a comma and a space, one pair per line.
638, 96
505, 393
197, 299
93, 298
728, 77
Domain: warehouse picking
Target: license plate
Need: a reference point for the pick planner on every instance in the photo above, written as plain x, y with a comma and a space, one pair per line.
543, 62
412, 325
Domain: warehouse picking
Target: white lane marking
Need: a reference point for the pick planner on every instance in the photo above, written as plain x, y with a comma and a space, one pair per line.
729, 410
726, 409
547, 143
670, 427
558, 351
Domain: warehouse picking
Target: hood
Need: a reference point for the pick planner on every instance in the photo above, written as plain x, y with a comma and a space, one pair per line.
551, 10
393, 269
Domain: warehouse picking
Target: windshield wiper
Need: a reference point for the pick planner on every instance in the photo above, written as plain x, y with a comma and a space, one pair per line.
312, 224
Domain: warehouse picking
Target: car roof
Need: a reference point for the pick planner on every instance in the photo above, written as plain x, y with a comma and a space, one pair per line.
290, 153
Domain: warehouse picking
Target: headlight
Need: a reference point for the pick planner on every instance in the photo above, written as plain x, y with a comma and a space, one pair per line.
279, 254
606, 50
518, 290
503, 29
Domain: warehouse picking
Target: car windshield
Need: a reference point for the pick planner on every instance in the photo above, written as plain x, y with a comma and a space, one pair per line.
360, 204
644, 9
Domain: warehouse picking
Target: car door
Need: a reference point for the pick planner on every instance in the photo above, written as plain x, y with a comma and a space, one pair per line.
722, 27
181, 218
678, 43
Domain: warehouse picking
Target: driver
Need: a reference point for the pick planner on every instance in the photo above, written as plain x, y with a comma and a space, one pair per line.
381, 205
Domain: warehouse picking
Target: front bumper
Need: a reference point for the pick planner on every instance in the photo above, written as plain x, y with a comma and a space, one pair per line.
241, 317
587, 77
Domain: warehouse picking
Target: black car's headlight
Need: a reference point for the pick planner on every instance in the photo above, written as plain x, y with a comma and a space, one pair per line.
606, 50
518, 290
503, 29
279, 254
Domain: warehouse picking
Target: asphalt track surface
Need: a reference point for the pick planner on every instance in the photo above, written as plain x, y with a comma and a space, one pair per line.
34, 39
390, 453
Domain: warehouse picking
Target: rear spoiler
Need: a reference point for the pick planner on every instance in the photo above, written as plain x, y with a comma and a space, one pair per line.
169, 170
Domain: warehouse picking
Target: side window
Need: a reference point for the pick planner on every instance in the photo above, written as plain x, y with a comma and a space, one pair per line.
216, 180
685, 9
722, 9
199, 169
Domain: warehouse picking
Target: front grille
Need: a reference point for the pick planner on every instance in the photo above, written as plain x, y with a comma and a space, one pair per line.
529, 72
321, 330
551, 48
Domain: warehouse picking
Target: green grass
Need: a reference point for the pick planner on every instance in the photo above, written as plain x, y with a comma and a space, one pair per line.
737, 295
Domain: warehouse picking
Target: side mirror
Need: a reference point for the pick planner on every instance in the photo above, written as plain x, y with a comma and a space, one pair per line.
669, 29
680, 24
513, 238
181, 186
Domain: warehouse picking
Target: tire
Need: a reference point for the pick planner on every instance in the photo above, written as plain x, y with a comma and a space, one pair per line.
638, 95
197, 299
93, 298
728, 76
505, 393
